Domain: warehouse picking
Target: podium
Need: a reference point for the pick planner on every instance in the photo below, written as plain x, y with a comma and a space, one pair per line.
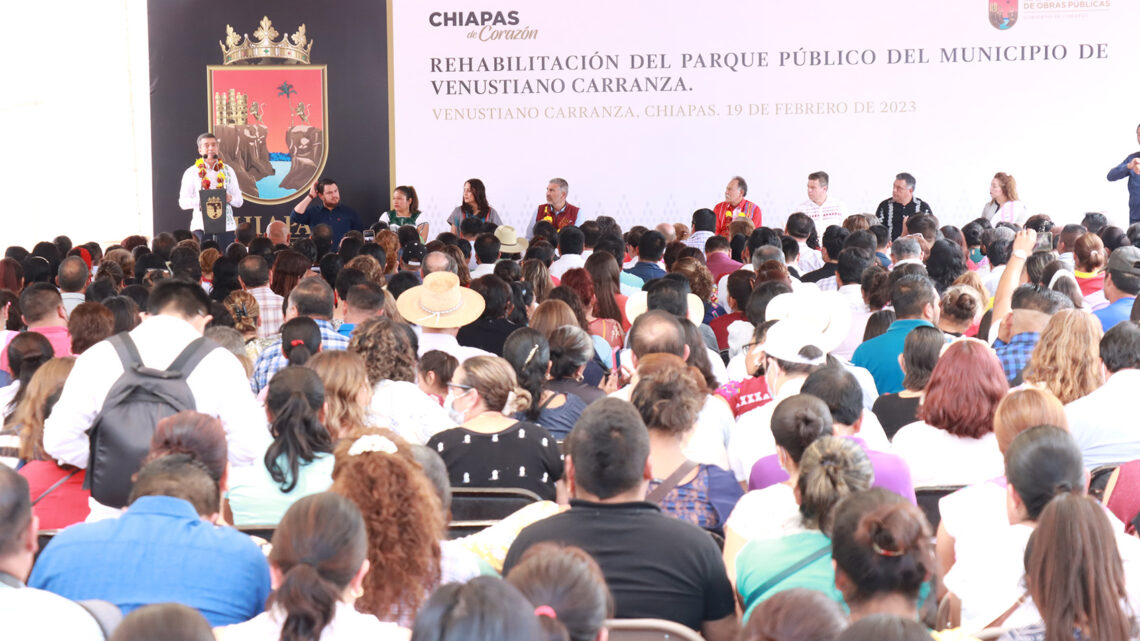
213, 204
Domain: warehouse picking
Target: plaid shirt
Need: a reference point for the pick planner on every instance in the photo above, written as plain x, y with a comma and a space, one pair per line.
1014, 355
270, 307
272, 359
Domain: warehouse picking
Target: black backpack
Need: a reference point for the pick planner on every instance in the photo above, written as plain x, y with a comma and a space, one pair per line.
121, 433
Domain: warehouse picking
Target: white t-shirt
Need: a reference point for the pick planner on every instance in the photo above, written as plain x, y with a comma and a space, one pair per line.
410, 412
937, 457
769, 513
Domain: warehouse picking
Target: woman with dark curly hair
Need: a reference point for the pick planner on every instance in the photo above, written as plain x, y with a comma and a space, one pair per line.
389, 352
404, 520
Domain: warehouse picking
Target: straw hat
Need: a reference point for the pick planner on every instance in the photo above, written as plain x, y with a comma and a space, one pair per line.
638, 303
440, 302
509, 240
824, 314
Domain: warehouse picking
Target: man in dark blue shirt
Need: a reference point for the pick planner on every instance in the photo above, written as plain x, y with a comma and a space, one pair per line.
1130, 169
650, 250
327, 210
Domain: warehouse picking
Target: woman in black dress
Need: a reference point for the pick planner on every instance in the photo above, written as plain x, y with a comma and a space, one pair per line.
489, 448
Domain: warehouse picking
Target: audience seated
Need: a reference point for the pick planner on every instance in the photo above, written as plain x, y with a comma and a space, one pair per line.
668, 395
953, 442
656, 566
831, 469
319, 563
491, 448
388, 348
30, 613
921, 349
881, 546
483, 609
529, 354
59, 498
403, 519
795, 614
297, 463
376, 378
567, 589
164, 548
1105, 431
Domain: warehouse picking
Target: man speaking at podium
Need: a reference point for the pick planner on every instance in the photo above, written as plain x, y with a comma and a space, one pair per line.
208, 172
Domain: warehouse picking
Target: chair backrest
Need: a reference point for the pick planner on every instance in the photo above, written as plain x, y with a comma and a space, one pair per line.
1098, 479
260, 531
475, 508
649, 630
928, 498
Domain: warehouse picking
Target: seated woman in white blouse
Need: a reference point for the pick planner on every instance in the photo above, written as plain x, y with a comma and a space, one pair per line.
1004, 205
1042, 463
953, 441
317, 566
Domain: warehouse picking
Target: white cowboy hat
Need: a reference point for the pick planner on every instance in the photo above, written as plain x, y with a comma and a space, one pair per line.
825, 314
638, 303
440, 302
509, 240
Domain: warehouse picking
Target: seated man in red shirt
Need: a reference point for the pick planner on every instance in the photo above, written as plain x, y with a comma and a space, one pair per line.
735, 206
556, 210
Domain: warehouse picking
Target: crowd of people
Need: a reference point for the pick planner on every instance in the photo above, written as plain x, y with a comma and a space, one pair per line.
720, 424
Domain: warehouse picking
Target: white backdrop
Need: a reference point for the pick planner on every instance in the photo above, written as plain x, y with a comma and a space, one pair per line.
1056, 125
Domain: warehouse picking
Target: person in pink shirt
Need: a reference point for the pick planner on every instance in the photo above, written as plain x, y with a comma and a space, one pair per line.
44, 314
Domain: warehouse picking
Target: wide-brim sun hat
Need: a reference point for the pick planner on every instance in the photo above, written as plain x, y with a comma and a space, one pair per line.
509, 241
825, 314
440, 302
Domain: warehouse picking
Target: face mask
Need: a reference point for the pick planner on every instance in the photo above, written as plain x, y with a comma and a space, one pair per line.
449, 406
976, 254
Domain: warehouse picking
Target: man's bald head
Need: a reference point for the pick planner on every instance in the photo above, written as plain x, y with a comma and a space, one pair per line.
278, 232
439, 262
658, 332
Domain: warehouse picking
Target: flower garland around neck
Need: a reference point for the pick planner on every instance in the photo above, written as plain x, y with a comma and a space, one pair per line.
218, 167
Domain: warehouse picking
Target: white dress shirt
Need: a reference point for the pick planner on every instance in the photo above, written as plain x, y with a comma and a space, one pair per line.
565, 263
809, 259
71, 300
218, 384
410, 412
482, 269
1101, 423
448, 343
831, 212
853, 296
698, 239
192, 184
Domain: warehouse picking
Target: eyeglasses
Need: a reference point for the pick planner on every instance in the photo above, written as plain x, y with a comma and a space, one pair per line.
460, 386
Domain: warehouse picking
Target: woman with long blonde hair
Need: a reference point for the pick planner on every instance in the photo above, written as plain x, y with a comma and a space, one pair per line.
347, 392
1066, 360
